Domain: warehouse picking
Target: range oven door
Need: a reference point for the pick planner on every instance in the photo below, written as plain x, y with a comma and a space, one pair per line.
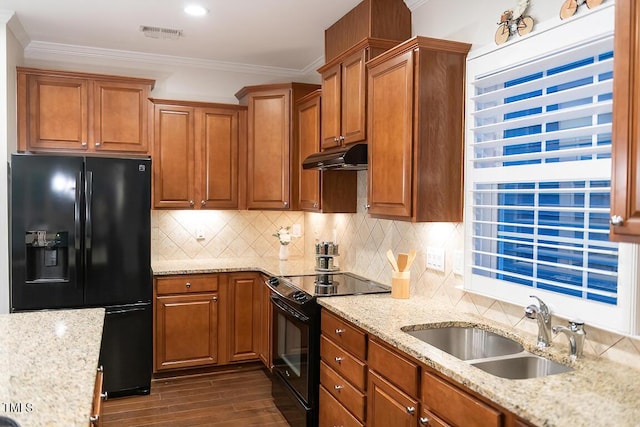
291, 331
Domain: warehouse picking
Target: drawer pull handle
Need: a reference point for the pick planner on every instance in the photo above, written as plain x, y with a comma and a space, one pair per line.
215, 299
424, 421
188, 285
338, 387
339, 359
339, 331
411, 410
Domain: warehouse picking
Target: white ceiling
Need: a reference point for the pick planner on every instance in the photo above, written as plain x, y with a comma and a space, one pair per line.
286, 34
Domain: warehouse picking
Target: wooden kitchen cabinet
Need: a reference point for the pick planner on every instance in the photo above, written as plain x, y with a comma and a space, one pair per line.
415, 131
625, 176
245, 309
388, 405
321, 191
82, 113
343, 371
186, 321
197, 162
273, 161
344, 94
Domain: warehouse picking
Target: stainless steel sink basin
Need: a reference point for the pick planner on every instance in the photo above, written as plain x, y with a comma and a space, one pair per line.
519, 368
467, 343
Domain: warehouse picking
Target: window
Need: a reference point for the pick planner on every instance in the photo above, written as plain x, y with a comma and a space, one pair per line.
538, 174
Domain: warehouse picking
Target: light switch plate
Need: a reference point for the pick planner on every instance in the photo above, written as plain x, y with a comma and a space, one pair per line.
435, 258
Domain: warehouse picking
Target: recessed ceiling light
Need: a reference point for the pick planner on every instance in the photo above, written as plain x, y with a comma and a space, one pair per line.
195, 10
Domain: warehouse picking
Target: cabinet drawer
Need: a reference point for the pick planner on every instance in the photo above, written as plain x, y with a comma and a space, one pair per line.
340, 331
349, 396
402, 372
186, 284
428, 419
455, 405
332, 413
343, 363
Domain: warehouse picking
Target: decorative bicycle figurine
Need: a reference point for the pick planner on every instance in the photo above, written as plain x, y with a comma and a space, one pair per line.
513, 21
569, 7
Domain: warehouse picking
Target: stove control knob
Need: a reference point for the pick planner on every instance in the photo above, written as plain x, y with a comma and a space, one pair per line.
273, 281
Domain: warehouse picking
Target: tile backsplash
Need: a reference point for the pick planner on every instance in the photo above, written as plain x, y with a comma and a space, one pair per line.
363, 242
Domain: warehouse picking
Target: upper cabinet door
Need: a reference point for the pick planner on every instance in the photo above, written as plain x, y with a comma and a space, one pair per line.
268, 166
82, 113
218, 139
331, 106
390, 120
354, 98
309, 141
625, 182
173, 157
54, 113
121, 112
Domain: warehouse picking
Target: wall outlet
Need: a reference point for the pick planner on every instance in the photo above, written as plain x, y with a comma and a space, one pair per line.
458, 263
435, 258
199, 233
296, 230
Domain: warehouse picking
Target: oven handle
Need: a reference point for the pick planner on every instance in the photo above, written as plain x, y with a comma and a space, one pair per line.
288, 310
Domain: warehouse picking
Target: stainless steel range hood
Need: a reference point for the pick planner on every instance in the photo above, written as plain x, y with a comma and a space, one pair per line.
352, 157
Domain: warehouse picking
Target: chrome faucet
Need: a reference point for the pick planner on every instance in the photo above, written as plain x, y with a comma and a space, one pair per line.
576, 334
543, 316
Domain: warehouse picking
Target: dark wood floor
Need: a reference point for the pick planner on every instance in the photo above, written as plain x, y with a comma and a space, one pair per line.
239, 398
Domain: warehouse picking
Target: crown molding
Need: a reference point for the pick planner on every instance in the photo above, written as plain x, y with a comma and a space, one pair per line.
56, 51
9, 18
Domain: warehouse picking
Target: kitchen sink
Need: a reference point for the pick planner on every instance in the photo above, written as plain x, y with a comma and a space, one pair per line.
519, 368
467, 343
488, 351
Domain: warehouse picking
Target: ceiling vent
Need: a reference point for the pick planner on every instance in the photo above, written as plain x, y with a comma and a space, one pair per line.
161, 33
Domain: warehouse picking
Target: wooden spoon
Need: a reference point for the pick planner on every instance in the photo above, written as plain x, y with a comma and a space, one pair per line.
392, 260
402, 261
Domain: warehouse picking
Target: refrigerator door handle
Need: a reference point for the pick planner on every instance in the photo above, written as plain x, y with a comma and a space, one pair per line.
128, 310
88, 194
76, 212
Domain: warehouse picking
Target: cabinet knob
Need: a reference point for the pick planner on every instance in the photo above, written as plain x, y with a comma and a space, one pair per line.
367, 206
98, 144
285, 204
616, 220
338, 387
339, 331
84, 143
203, 203
424, 421
336, 139
191, 203
215, 298
341, 139
411, 410
188, 285
338, 359
315, 204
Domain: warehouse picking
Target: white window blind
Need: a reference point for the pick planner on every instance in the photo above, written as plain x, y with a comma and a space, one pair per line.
538, 176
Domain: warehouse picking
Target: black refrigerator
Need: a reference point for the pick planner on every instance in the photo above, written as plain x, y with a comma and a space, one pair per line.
81, 237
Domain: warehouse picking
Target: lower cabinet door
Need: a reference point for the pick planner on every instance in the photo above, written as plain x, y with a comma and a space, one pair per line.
186, 331
388, 406
332, 413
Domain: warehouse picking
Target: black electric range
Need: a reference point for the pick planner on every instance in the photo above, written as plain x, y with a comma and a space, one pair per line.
296, 338
305, 288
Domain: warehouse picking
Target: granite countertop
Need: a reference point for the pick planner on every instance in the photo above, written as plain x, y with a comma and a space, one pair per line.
48, 362
271, 266
597, 392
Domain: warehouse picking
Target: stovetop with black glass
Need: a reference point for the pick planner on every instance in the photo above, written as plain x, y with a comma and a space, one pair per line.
305, 288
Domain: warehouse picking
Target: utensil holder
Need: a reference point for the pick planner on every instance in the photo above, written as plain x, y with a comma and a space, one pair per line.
400, 284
